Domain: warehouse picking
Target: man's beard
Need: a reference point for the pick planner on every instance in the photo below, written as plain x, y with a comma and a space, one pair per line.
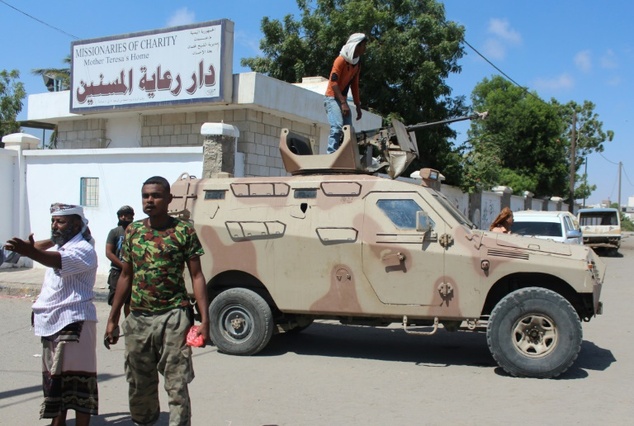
124, 223
62, 237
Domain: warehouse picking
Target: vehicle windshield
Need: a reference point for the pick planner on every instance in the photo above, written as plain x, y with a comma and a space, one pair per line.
598, 218
547, 229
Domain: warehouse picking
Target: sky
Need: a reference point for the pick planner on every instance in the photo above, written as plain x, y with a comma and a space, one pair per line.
568, 50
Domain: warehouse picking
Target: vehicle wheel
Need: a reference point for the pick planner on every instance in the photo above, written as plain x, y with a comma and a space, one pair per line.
240, 322
534, 332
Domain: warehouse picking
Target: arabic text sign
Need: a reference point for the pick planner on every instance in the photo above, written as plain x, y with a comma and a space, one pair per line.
183, 64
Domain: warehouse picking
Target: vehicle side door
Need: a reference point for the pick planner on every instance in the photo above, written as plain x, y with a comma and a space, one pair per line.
402, 264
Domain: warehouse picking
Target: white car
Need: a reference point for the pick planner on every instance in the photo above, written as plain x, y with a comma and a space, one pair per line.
560, 226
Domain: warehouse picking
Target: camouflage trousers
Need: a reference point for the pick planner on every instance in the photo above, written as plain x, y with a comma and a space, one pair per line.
156, 344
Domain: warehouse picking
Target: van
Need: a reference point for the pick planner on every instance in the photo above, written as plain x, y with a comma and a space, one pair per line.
601, 228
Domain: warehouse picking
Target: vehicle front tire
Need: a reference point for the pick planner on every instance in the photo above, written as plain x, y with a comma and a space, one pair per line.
240, 322
534, 332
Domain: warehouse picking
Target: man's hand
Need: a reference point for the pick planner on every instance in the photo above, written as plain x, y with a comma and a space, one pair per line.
111, 337
21, 247
203, 330
345, 109
359, 113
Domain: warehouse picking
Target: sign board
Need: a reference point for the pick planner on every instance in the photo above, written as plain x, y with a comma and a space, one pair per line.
185, 64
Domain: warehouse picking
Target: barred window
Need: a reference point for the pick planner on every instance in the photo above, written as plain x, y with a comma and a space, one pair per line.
89, 192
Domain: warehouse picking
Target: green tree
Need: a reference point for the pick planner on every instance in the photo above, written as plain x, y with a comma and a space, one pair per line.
62, 75
626, 222
521, 138
412, 50
11, 95
589, 138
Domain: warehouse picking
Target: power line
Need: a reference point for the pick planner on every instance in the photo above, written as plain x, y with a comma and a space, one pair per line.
502, 72
611, 162
39, 20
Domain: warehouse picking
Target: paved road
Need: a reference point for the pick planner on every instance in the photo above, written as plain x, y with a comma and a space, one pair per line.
336, 375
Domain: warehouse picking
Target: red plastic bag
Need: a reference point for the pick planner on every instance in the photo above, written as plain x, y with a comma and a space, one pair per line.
193, 339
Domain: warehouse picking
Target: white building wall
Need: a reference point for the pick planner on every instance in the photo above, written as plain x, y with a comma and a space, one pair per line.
54, 176
124, 132
8, 194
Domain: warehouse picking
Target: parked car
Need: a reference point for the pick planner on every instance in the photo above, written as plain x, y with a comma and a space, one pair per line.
560, 226
601, 228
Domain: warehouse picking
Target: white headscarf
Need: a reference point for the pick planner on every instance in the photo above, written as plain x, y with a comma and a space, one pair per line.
347, 51
61, 209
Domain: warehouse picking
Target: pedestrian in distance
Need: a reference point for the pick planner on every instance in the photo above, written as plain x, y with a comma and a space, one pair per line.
64, 315
344, 76
503, 222
154, 253
125, 216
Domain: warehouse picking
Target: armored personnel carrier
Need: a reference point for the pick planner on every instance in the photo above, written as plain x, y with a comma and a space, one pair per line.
335, 241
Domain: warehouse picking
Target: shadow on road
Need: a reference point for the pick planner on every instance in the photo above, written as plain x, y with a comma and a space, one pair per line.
443, 349
608, 253
118, 419
334, 340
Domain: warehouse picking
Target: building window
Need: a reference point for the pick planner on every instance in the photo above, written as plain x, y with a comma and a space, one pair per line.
89, 196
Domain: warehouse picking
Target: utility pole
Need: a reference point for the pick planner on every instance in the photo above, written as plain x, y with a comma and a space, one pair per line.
620, 167
585, 180
573, 151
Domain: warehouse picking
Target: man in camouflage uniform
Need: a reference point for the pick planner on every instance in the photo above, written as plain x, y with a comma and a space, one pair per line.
154, 253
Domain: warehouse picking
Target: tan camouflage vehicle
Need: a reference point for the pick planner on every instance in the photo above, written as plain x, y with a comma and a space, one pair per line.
333, 241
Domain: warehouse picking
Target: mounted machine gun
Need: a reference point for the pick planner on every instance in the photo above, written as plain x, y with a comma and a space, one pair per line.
395, 145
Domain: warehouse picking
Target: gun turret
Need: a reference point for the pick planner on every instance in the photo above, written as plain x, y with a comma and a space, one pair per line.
397, 144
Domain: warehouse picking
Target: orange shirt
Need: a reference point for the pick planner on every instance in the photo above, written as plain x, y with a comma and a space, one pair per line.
344, 75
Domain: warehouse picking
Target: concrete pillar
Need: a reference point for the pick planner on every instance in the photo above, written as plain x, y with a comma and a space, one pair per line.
20, 224
558, 202
506, 193
528, 200
475, 209
220, 148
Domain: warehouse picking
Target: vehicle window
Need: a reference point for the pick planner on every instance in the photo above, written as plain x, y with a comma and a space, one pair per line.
402, 213
453, 211
547, 229
568, 224
599, 218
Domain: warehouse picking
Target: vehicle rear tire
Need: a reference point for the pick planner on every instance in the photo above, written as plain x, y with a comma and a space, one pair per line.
534, 332
240, 322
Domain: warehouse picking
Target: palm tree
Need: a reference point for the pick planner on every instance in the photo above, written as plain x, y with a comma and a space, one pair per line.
55, 79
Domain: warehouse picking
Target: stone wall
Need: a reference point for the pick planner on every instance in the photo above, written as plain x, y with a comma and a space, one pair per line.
260, 139
180, 129
82, 134
259, 135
